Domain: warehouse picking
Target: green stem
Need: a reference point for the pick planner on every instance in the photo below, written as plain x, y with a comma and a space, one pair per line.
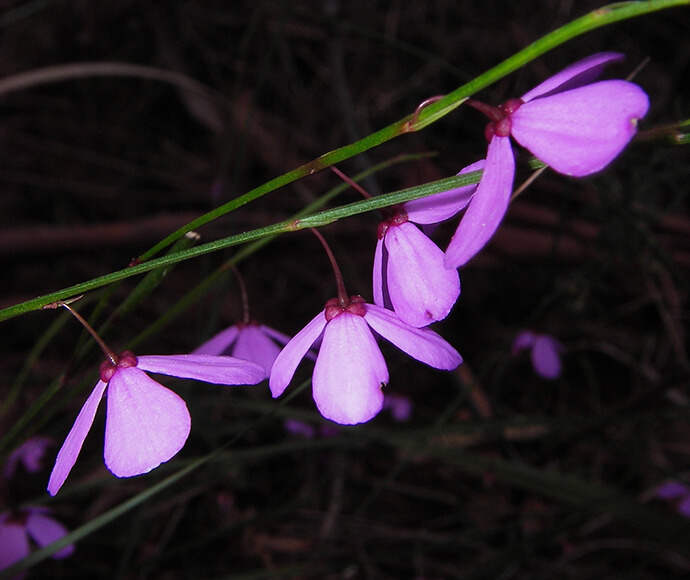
435, 110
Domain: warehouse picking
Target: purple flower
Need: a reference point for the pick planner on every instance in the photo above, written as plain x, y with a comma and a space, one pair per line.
400, 407
146, 424
350, 370
409, 273
678, 492
30, 454
17, 529
572, 124
249, 341
545, 353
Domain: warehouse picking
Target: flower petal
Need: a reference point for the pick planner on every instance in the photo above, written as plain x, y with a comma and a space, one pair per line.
289, 358
580, 131
672, 490
380, 282
546, 358
349, 372
420, 343
252, 344
489, 204
421, 289
30, 453
14, 543
439, 207
523, 340
70, 449
220, 370
146, 424
221, 343
578, 74
45, 530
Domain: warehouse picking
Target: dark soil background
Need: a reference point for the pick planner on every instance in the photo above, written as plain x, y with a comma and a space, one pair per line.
96, 168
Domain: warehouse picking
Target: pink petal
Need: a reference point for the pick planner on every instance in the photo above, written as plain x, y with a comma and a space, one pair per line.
442, 206
30, 453
400, 407
220, 343
252, 344
672, 490
70, 449
14, 543
349, 372
489, 204
684, 507
580, 131
146, 424
283, 339
546, 357
289, 358
578, 74
420, 343
523, 340
220, 370
44, 530
380, 281
421, 289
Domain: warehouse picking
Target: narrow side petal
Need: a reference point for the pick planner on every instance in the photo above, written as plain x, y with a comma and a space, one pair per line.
252, 344
420, 343
421, 289
45, 530
489, 204
289, 358
581, 131
442, 206
282, 339
349, 372
219, 370
546, 357
146, 424
14, 544
576, 75
70, 449
221, 343
380, 279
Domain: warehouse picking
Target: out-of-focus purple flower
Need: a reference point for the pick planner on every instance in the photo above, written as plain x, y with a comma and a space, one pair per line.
677, 492
247, 340
18, 529
400, 407
30, 454
146, 424
350, 370
545, 352
571, 123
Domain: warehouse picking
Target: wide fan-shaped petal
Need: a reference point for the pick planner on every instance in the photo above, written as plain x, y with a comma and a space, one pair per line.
546, 357
146, 424
349, 372
14, 543
289, 358
254, 345
220, 370
221, 343
576, 75
581, 131
439, 207
488, 206
420, 343
70, 449
421, 289
45, 530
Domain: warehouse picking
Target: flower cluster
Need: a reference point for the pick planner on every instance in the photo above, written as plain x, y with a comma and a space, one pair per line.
572, 122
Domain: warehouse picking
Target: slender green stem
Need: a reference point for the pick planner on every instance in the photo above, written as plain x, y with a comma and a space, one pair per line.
435, 110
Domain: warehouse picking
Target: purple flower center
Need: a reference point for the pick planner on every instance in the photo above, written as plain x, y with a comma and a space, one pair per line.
395, 220
124, 359
334, 307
